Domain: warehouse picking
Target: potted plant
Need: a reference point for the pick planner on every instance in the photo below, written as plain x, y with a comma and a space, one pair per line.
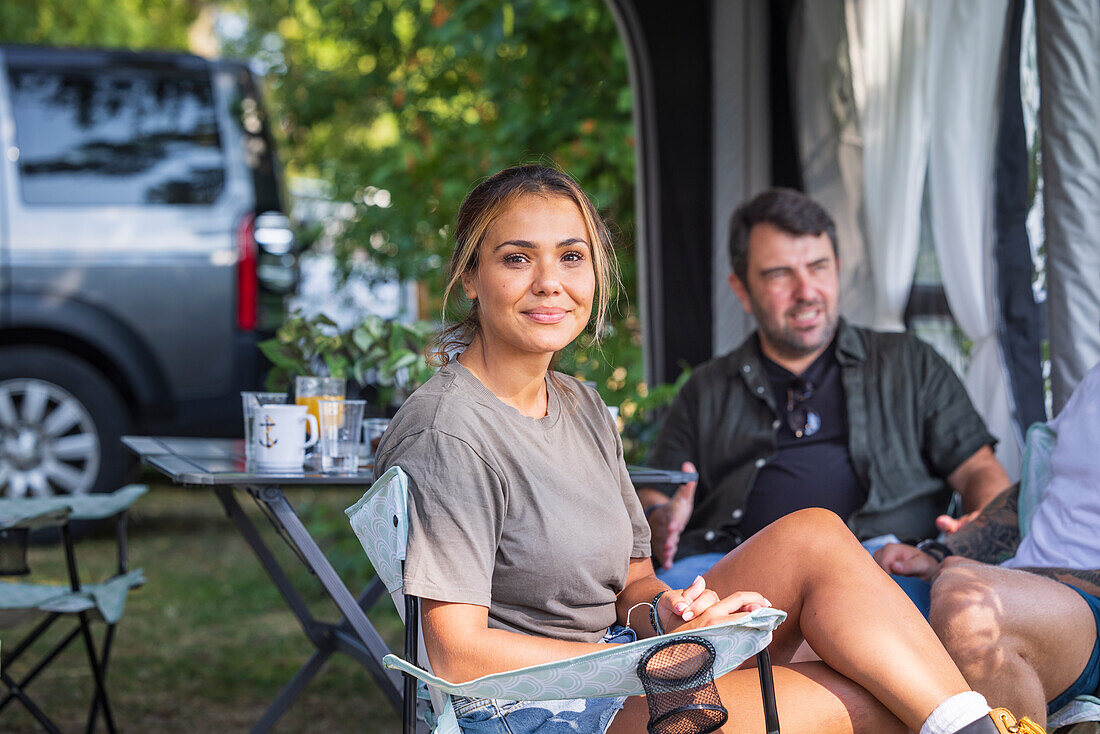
385, 358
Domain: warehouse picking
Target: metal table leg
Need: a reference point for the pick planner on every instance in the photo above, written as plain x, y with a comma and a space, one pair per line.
273, 497
361, 642
252, 536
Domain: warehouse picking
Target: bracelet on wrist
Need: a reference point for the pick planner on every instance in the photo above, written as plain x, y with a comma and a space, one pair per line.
649, 510
936, 549
653, 618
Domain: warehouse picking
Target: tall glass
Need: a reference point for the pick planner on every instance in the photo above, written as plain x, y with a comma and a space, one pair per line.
308, 391
249, 402
341, 427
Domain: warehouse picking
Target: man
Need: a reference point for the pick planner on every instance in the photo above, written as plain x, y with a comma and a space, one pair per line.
1026, 632
810, 411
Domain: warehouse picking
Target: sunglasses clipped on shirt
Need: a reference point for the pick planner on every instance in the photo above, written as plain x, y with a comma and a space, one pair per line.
800, 418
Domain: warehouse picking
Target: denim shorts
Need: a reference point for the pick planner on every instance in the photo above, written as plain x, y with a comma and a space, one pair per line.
1088, 684
571, 716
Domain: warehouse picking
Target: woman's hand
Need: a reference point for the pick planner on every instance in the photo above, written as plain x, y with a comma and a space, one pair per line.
701, 607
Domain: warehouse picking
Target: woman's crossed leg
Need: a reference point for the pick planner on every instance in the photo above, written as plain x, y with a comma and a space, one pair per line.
883, 668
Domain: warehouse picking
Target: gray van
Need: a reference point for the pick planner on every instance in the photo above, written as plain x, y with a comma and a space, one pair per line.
142, 231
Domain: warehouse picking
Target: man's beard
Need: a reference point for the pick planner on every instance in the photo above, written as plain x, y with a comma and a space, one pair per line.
789, 342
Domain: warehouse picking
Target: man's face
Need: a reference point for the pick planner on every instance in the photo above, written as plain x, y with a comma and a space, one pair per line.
791, 286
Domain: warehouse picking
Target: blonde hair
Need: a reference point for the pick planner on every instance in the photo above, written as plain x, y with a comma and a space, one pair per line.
487, 201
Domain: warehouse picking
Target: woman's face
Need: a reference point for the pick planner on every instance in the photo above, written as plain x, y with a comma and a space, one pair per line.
535, 278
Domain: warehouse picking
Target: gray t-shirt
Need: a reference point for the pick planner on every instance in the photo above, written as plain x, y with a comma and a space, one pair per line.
535, 519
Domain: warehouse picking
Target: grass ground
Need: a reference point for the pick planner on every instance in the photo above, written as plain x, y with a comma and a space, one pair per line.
207, 643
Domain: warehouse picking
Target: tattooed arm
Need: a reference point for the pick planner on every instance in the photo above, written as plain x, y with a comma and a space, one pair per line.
993, 535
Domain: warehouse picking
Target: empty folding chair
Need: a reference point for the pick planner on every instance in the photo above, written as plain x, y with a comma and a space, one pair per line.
21, 602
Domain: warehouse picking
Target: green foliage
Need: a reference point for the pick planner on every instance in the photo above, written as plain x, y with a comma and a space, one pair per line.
134, 24
386, 354
424, 98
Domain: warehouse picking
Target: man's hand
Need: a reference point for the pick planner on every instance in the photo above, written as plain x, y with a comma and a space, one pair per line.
978, 480
697, 606
906, 560
948, 525
669, 520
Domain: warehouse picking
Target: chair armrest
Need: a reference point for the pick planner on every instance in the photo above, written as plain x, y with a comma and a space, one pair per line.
72, 507
608, 672
31, 517
108, 504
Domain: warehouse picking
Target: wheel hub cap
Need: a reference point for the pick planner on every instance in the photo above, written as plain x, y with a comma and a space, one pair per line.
48, 442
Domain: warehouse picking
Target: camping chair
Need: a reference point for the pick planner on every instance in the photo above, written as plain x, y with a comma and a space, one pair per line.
380, 520
20, 602
1035, 474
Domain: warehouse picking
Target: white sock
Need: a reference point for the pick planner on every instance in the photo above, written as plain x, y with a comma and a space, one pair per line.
955, 713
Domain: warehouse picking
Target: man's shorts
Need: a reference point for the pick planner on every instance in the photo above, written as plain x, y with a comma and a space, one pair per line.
1088, 684
571, 716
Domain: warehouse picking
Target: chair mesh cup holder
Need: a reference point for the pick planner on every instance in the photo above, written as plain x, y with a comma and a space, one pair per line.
678, 678
13, 552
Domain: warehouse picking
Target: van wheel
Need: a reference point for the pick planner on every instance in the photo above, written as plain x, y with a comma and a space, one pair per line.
60, 423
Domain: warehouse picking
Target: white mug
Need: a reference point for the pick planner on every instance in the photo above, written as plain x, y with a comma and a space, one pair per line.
279, 433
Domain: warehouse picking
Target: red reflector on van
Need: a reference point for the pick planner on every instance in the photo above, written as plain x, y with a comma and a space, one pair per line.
247, 284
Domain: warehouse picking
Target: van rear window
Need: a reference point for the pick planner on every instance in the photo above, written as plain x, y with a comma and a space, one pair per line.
116, 136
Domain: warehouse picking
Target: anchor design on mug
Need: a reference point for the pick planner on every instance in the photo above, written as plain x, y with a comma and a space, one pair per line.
268, 441
283, 433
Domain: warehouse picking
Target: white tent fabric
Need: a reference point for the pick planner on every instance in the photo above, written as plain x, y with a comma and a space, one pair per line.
962, 137
831, 147
888, 52
1068, 37
924, 77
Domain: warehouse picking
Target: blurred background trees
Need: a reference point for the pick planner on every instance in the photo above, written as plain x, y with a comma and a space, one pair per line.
133, 24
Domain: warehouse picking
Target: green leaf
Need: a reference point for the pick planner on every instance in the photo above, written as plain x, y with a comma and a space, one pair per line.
362, 338
401, 359
280, 355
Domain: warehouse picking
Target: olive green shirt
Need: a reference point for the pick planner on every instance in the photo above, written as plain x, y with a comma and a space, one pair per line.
910, 424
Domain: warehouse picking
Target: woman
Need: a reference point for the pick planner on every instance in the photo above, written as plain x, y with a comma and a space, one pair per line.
527, 543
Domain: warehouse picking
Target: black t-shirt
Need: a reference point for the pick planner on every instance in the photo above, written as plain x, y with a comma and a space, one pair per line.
814, 469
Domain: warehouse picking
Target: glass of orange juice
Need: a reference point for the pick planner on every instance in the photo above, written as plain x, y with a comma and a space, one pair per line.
308, 391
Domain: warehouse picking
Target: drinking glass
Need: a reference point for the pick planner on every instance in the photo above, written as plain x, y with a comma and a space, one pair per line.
308, 391
373, 428
250, 400
341, 427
